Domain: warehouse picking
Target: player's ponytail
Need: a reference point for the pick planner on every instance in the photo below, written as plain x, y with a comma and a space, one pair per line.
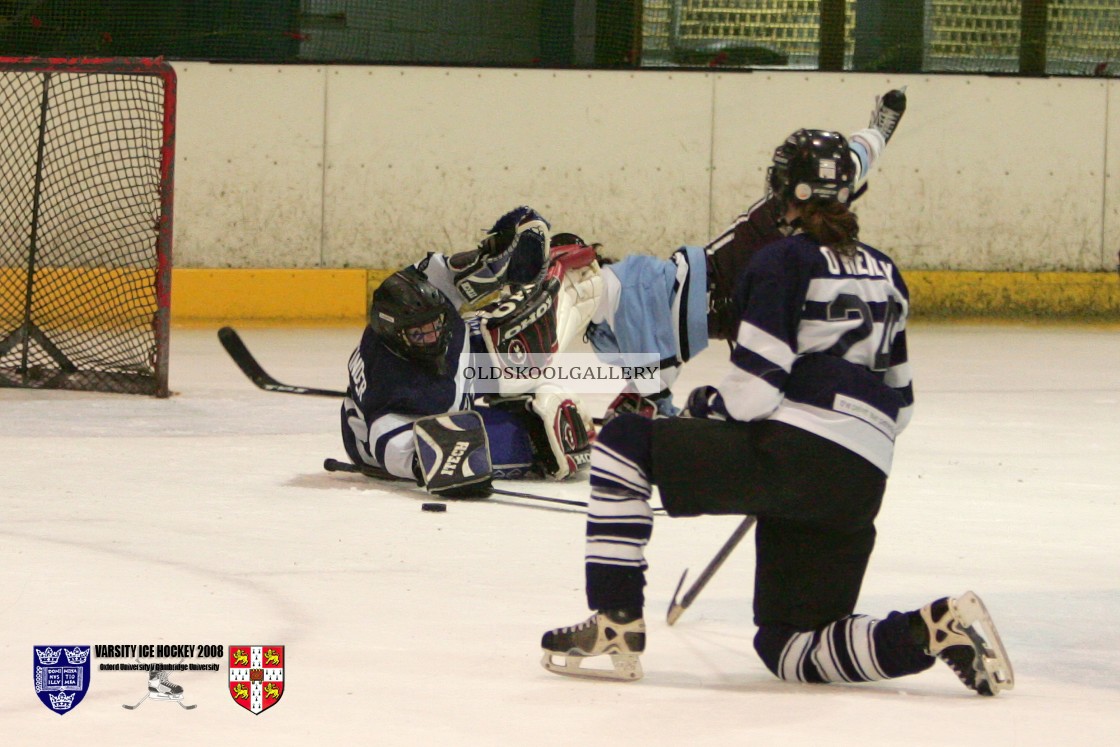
832, 224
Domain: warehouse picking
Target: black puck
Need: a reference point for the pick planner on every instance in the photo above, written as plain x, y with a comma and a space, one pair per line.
435, 507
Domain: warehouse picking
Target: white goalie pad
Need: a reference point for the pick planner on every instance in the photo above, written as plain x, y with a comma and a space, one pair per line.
562, 438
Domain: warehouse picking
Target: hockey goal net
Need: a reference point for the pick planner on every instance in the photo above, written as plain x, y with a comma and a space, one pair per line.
86, 153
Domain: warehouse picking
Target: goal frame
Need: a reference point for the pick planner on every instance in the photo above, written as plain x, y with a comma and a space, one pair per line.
137, 66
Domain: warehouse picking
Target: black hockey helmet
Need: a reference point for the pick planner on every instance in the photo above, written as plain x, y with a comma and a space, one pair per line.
812, 164
410, 315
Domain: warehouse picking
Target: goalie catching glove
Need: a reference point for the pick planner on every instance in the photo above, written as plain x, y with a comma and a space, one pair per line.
514, 250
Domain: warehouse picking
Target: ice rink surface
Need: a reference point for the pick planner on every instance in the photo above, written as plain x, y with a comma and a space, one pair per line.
207, 519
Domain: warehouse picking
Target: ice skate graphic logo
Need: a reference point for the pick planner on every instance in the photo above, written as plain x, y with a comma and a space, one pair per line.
256, 676
160, 687
61, 676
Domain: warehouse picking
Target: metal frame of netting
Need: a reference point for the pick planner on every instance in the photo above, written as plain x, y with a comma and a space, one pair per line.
87, 155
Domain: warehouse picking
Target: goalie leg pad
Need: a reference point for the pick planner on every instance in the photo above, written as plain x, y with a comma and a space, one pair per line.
453, 454
560, 434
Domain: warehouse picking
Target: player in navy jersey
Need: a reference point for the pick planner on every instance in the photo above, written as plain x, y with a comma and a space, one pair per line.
412, 361
799, 434
673, 306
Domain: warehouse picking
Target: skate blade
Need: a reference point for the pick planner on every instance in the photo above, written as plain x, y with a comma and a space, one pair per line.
625, 667
978, 626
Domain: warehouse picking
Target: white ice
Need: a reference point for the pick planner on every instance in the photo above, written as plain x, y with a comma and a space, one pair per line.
207, 519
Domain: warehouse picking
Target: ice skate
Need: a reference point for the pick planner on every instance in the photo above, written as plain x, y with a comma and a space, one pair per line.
162, 688
961, 634
888, 111
611, 633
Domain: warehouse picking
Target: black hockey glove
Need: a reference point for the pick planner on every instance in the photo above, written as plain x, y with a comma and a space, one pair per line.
704, 402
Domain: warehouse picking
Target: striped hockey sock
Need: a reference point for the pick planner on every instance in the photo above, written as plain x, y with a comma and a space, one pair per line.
619, 516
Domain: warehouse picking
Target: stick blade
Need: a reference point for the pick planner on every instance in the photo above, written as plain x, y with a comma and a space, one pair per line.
675, 608
235, 346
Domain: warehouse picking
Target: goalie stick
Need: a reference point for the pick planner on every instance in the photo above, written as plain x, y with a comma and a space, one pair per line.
249, 366
676, 609
336, 465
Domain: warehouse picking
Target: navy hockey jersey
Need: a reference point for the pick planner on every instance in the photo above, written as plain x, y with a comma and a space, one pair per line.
821, 345
387, 393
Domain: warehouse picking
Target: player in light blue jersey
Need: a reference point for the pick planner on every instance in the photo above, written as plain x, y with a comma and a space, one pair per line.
800, 434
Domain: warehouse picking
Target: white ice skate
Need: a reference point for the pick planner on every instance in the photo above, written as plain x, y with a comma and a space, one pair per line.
962, 634
603, 634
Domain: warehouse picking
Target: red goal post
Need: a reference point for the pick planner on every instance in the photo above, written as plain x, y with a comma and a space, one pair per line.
87, 148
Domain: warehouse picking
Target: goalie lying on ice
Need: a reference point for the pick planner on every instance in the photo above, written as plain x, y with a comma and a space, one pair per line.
411, 365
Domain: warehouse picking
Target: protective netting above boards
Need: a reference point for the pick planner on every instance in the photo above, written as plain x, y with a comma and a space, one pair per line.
1062, 37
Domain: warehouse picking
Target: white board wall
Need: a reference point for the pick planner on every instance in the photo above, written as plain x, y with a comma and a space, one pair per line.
355, 166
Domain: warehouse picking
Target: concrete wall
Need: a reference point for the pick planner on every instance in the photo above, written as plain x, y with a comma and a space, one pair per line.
338, 166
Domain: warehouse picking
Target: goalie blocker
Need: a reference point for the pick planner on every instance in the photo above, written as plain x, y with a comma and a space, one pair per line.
453, 455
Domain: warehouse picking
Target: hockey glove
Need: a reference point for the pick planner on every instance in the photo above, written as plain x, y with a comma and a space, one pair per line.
658, 405
705, 402
630, 402
515, 250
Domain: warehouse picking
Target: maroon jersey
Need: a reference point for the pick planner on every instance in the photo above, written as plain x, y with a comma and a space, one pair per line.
728, 255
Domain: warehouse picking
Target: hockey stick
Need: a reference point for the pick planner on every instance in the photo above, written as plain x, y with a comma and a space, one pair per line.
676, 609
182, 705
233, 344
335, 465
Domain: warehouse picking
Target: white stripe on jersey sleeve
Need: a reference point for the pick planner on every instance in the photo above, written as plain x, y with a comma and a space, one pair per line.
399, 449
867, 145
903, 419
747, 397
464, 387
763, 343
728, 234
898, 376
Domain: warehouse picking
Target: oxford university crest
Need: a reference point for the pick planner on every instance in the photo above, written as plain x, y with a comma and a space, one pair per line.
61, 675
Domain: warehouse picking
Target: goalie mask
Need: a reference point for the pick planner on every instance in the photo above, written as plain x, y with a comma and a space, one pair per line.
411, 317
812, 164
